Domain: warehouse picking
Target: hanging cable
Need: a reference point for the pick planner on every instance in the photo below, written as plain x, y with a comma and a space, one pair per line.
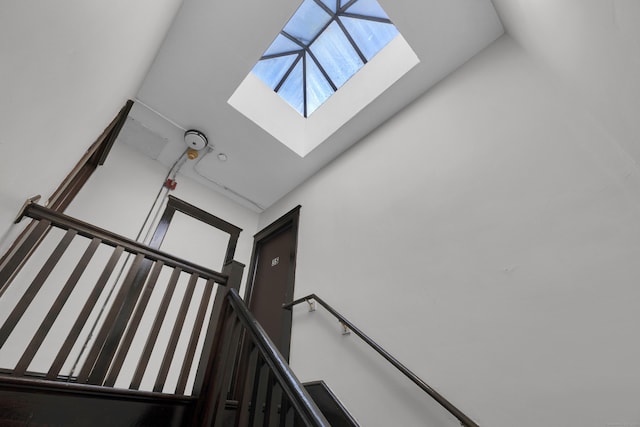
161, 196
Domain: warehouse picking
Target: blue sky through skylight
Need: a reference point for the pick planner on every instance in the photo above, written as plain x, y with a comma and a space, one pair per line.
321, 47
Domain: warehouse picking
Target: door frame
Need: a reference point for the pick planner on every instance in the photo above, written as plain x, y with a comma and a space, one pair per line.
177, 205
290, 220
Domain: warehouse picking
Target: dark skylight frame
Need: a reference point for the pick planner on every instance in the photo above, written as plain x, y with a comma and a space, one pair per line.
322, 46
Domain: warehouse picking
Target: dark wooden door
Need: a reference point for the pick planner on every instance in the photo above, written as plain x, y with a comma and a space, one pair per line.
272, 282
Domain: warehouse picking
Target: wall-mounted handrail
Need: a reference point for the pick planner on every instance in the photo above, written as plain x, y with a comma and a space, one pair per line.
464, 419
302, 403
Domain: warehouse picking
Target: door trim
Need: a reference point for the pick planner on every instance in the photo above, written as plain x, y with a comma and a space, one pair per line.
290, 220
174, 204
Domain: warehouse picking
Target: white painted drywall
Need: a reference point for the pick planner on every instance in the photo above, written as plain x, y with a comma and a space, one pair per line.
67, 68
593, 47
119, 195
488, 236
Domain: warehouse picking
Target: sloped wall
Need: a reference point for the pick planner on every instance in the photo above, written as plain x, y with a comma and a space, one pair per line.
67, 69
487, 236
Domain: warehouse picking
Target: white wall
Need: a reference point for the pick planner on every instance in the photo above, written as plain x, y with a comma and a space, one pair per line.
67, 68
488, 236
119, 195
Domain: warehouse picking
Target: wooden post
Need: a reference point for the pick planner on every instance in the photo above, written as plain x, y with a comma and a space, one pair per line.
205, 377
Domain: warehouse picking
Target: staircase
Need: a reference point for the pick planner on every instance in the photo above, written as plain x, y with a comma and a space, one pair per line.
63, 272
99, 330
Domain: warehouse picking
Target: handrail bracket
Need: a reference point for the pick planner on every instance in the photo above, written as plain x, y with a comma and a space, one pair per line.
345, 329
23, 210
312, 305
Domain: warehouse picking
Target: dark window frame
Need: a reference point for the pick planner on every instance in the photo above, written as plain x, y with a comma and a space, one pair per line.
305, 48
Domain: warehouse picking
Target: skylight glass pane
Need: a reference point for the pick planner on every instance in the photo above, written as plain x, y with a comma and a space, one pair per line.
370, 36
318, 89
331, 4
272, 70
291, 91
315, 28
280, 45
336, 55
307, 22
367, 8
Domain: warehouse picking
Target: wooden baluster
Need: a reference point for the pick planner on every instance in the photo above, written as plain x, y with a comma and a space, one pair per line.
32, 290
193, 339
227, 358
155, 330
204, 385
123, 350
255, 402
13, 263
80, 322
119, 323
175, 334
94, 368
268, 399
56, 308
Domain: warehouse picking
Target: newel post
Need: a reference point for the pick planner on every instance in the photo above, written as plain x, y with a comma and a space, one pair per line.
205, 376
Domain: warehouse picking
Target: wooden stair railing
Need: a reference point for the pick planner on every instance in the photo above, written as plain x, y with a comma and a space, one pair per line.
51, 289
83, 252
274, 396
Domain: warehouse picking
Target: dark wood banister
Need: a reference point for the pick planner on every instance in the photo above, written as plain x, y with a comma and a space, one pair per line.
304, 406
298, 398
90, 231
464, 419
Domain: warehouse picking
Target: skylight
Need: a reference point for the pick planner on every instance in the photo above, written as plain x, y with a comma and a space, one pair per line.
290, 82
321, 47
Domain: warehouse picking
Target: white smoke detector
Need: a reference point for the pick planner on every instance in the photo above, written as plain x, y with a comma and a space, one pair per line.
195, 139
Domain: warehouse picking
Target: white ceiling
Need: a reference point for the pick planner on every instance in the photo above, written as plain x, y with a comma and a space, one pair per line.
211, 47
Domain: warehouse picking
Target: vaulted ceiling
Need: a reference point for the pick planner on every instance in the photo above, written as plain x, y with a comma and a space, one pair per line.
590, 47
211, 47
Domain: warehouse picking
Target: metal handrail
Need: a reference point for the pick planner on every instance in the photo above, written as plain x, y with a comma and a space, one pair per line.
464, 419
303, 404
